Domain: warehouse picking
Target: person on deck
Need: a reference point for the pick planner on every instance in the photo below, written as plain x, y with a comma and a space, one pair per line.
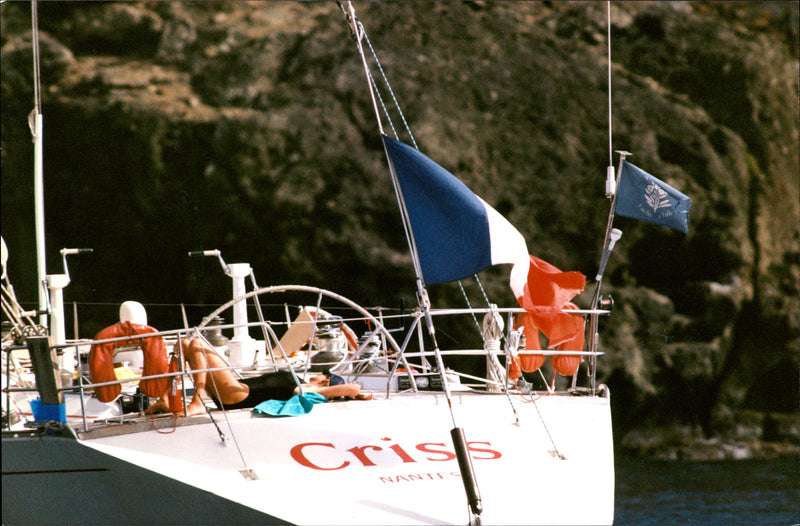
230, 392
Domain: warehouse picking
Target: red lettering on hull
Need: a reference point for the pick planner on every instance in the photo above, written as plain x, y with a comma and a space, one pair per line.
325, 456
298, 454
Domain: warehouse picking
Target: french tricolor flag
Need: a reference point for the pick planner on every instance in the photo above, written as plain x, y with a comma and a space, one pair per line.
457, 234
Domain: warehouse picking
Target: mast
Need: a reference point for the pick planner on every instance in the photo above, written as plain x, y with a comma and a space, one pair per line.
35, 122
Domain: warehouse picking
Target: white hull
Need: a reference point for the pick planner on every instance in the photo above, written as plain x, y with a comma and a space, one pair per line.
376, 462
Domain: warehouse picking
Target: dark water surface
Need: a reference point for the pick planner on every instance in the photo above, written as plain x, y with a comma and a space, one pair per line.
725, 493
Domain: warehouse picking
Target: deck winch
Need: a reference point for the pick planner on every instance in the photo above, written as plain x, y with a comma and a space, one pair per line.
330, 344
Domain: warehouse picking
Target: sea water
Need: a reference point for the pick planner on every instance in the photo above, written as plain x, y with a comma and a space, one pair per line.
725, 493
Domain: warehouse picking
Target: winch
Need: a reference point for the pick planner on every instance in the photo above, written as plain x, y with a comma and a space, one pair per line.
330, 344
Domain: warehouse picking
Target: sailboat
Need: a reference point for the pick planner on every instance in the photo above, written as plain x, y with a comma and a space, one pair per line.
432, 445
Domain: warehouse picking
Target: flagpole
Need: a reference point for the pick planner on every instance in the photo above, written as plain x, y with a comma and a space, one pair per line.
611, 214
612, 235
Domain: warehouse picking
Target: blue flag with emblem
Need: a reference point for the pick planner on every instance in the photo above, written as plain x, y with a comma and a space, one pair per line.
642, 196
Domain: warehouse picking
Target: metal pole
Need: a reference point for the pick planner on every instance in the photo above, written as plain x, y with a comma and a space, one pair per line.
35, 122
611, 236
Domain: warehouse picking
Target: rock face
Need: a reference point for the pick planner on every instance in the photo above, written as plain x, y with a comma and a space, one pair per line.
247, 127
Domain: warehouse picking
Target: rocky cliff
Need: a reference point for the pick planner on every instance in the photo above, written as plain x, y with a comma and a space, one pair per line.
247, 127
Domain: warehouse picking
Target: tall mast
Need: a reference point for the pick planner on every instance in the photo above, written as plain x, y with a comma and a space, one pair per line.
35, 123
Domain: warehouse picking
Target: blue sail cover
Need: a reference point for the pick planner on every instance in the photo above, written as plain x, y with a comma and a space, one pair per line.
642, 196
457, 234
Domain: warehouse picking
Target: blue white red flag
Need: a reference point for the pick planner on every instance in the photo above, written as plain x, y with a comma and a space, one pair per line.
457, 234
642, 196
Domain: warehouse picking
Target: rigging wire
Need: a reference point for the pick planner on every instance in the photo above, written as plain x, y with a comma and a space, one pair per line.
359, 32
528, 391
390, 90
246, 471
